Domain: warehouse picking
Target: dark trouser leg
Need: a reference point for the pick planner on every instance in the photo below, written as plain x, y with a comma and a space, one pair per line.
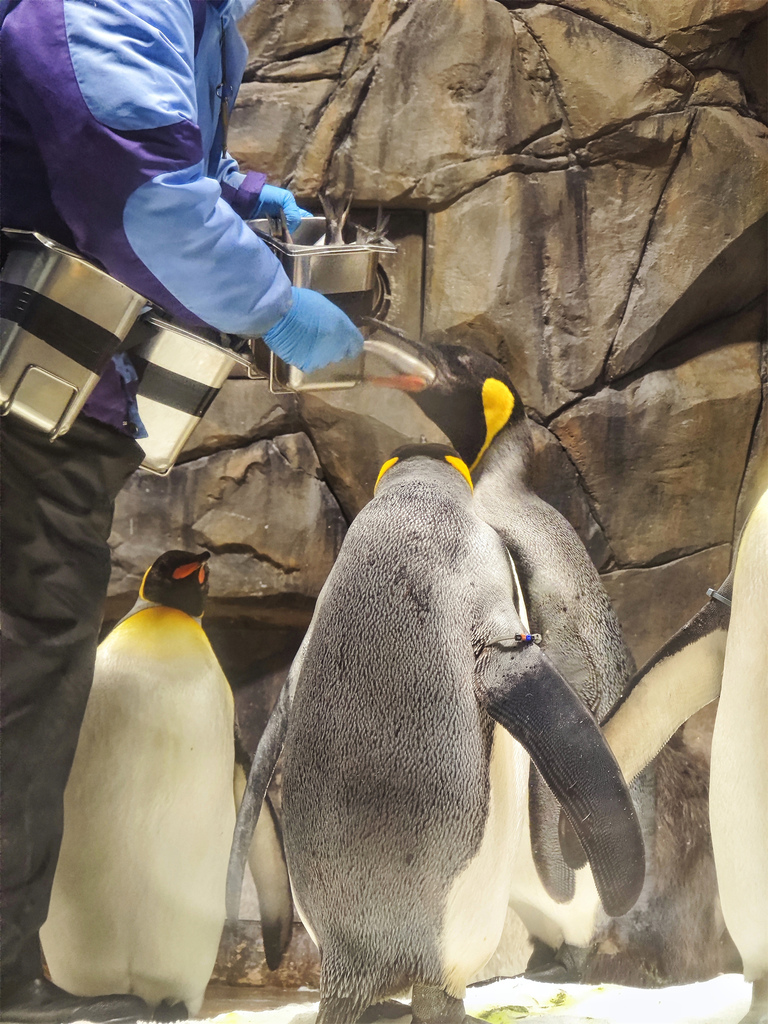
56, 503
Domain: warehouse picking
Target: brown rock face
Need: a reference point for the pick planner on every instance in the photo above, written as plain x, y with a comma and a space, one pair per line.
650, 445
578, 190
263, 511
705, 252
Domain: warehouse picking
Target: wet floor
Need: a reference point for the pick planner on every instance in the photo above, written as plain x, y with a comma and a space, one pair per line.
722, 1000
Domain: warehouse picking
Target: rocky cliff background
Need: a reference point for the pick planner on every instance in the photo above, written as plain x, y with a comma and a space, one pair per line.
576, 188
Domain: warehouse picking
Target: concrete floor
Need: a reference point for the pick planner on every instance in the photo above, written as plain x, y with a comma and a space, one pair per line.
722, 1000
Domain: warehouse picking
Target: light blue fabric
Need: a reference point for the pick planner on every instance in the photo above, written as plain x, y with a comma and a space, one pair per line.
208, 72
204, 254
314, 333
135, 64
146, 81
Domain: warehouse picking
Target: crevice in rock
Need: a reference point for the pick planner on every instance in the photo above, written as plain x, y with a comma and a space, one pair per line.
367, 72
617, 126
591, 501
258, 556
646, 240
325, 476
610, 556
236, 444
674, 353
625, 33
667, 558
293, 80
522, 24
251, 72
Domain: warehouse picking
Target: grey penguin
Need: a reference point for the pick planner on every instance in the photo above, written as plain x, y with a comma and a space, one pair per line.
474, 402
407, 721
138, 898
722, 652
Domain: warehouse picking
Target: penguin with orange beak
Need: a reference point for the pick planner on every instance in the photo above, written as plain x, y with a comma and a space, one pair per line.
149, 810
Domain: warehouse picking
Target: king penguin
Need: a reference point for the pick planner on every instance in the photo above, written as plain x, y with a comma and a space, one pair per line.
138, 900
407, 721
722, 652
474, 402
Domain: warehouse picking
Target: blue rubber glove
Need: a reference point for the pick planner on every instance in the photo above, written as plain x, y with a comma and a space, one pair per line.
272, 200
313, 332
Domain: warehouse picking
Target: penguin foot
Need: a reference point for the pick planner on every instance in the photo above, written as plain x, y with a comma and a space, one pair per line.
553, 972
435, 1006
168, 1011
566, 966
390, 1009
42, 1002
758, 1011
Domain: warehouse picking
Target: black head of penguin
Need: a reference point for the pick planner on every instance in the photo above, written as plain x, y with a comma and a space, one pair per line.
178, 579
471, 399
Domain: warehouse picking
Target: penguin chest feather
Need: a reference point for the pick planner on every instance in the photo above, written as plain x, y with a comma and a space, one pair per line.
477, 901
138, 898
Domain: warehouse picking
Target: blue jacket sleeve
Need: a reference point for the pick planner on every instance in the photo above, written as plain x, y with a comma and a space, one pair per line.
120, 137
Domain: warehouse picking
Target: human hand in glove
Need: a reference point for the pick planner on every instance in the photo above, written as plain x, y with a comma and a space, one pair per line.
272, 200
313, 332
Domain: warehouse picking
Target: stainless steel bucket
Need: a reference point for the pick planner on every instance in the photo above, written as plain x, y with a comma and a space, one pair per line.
180, 374
382, 357
61, 321
329, 269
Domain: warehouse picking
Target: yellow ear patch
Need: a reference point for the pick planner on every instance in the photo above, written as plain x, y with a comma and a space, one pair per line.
461, 466
387, 465
498, 404
141, 588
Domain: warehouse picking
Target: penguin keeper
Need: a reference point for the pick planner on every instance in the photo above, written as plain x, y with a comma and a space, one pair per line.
114, 117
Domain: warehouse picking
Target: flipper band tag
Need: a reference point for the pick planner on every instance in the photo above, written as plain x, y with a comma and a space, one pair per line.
518, 638
711, 592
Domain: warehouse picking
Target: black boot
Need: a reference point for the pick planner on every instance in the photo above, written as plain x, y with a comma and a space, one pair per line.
42, 1002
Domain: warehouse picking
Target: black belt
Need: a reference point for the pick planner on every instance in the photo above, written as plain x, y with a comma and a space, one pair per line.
172, 389
62, 328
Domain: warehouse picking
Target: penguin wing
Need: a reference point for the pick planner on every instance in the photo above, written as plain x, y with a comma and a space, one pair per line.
262, 769
266, 860
680, 679
523, 692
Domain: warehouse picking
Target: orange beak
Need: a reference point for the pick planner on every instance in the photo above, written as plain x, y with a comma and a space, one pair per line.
186, 570
402, 382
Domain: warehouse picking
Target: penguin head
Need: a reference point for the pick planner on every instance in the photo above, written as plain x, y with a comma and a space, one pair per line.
471, 399
178, 579
440, 453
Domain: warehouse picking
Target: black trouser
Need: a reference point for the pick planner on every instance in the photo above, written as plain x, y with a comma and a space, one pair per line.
56, 502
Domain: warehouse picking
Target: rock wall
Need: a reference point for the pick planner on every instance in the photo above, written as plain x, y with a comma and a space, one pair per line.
577, 189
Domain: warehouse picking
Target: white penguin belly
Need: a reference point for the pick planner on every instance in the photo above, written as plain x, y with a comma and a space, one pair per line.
477, 903
738, 791
138, 898
573, 922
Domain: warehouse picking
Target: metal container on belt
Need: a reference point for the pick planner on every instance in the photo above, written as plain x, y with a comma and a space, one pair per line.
382, 357
180, 374
330, 269
61, 321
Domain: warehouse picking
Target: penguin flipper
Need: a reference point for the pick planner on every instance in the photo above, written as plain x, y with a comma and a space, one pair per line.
544, 812
523, 692
266, 859
270, 873
680, 679
262, 769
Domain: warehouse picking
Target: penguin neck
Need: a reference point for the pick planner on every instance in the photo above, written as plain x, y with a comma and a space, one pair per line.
439, 476
141, 605
505, 466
